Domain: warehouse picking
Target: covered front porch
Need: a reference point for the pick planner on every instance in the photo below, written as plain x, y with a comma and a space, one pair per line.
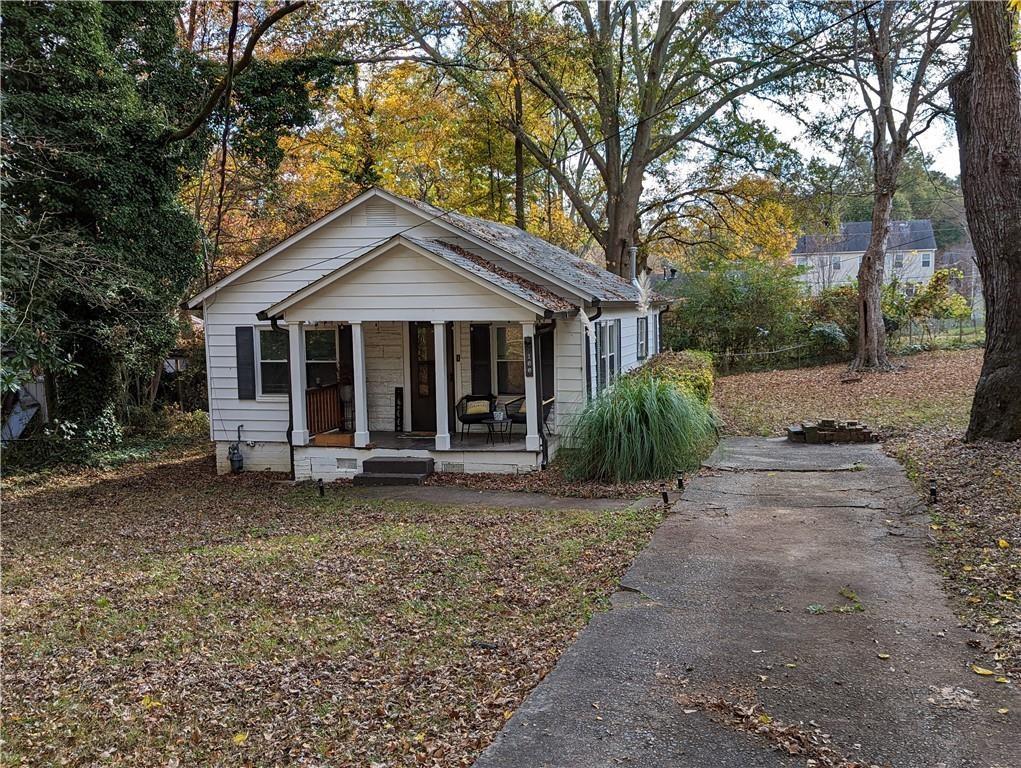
423, 385
422, 346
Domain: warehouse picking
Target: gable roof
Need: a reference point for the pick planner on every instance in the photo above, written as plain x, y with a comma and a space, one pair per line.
537, 253
914, 235
479, 270
563, 268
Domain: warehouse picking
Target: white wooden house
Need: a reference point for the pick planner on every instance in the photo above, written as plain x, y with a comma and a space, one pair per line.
367, 333
830, 260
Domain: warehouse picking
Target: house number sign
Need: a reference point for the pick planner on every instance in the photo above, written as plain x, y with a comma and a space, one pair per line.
529, 362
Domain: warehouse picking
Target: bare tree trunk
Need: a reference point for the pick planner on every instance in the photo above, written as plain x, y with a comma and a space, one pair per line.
871, 354
519, 155
987, 104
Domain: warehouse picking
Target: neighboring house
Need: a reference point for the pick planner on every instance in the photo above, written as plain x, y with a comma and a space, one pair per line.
833, 259
360, 336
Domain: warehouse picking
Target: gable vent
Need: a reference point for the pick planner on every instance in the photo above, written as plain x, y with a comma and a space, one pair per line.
380, 213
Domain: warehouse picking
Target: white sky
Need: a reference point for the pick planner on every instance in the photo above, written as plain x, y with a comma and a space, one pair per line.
939, 142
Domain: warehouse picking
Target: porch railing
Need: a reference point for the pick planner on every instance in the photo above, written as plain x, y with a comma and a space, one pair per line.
324, 409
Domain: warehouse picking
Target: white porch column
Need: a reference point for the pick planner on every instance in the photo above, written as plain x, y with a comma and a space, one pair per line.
361, 401
532, 404
440, 352
296, 356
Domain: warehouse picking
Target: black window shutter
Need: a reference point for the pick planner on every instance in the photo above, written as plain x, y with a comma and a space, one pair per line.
481, 362
244, 339
600, 368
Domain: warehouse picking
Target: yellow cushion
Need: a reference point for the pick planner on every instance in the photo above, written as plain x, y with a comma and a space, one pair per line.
475, 407
523, 408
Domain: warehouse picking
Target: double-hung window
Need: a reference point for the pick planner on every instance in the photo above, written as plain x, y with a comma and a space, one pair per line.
607, 353
321, 357
643, 338
898, 260
835, 262
802, 261
510, 360
273, 378
926, 260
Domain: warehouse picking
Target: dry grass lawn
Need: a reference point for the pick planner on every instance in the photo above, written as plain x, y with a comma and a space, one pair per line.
157, 614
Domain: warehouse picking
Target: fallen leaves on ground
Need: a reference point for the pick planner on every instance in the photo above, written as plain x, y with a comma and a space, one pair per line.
550, 482
158, 614
931, 388
809, 743
978, 506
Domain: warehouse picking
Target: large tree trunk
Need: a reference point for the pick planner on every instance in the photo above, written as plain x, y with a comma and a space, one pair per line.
871, 354
987, 104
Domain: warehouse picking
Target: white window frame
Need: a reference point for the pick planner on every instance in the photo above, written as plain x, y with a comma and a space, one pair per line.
642, 328
898, 260
802, 261
495, 361
607, 349
835, 262
926, 260
259, 394
309, 382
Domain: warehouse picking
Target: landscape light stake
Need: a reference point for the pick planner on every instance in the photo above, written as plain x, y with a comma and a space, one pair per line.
663, 493
322, 488
680, 481
932, 491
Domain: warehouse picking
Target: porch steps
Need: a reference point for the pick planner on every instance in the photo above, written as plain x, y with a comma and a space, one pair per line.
397, 470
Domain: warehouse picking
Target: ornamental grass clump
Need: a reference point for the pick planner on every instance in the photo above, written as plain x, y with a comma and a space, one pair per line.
642, 428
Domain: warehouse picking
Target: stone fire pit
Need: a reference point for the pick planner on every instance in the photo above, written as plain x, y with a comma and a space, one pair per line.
831, 431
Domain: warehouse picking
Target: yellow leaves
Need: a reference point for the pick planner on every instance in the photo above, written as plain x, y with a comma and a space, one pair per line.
765, 719
148, 702
883, 655
1002, 679
240, 738
1002, 711
1003, 544
981, 671
968, 568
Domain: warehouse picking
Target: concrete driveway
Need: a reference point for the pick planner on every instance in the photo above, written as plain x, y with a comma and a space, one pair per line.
787, 604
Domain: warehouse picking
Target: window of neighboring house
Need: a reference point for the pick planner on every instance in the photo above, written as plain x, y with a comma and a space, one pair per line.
835, 262
321, 357
802, 261
272, 347
898, 260
926, 259
643, 338
510, 360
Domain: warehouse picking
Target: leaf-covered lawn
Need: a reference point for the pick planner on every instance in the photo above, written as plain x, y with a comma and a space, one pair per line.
923, 411
159, 615
929, 389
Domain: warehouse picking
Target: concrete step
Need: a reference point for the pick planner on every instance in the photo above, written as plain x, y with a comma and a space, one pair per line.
398, 465
365, 479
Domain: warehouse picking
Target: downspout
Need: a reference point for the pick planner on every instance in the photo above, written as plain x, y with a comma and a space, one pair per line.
275, 324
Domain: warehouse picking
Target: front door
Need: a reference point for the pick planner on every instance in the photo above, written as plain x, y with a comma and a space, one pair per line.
423, 377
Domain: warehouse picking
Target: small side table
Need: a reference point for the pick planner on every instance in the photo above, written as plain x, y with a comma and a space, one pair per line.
496, 427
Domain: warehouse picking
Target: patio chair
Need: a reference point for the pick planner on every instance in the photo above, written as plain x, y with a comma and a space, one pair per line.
517, 413
474, 409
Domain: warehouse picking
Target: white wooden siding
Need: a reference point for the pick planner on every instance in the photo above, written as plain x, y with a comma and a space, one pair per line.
384, 371
403, 284
236, 305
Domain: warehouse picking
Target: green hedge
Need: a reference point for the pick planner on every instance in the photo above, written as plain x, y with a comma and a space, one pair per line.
690, 371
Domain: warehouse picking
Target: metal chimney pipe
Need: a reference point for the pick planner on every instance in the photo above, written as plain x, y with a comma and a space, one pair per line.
632, 253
